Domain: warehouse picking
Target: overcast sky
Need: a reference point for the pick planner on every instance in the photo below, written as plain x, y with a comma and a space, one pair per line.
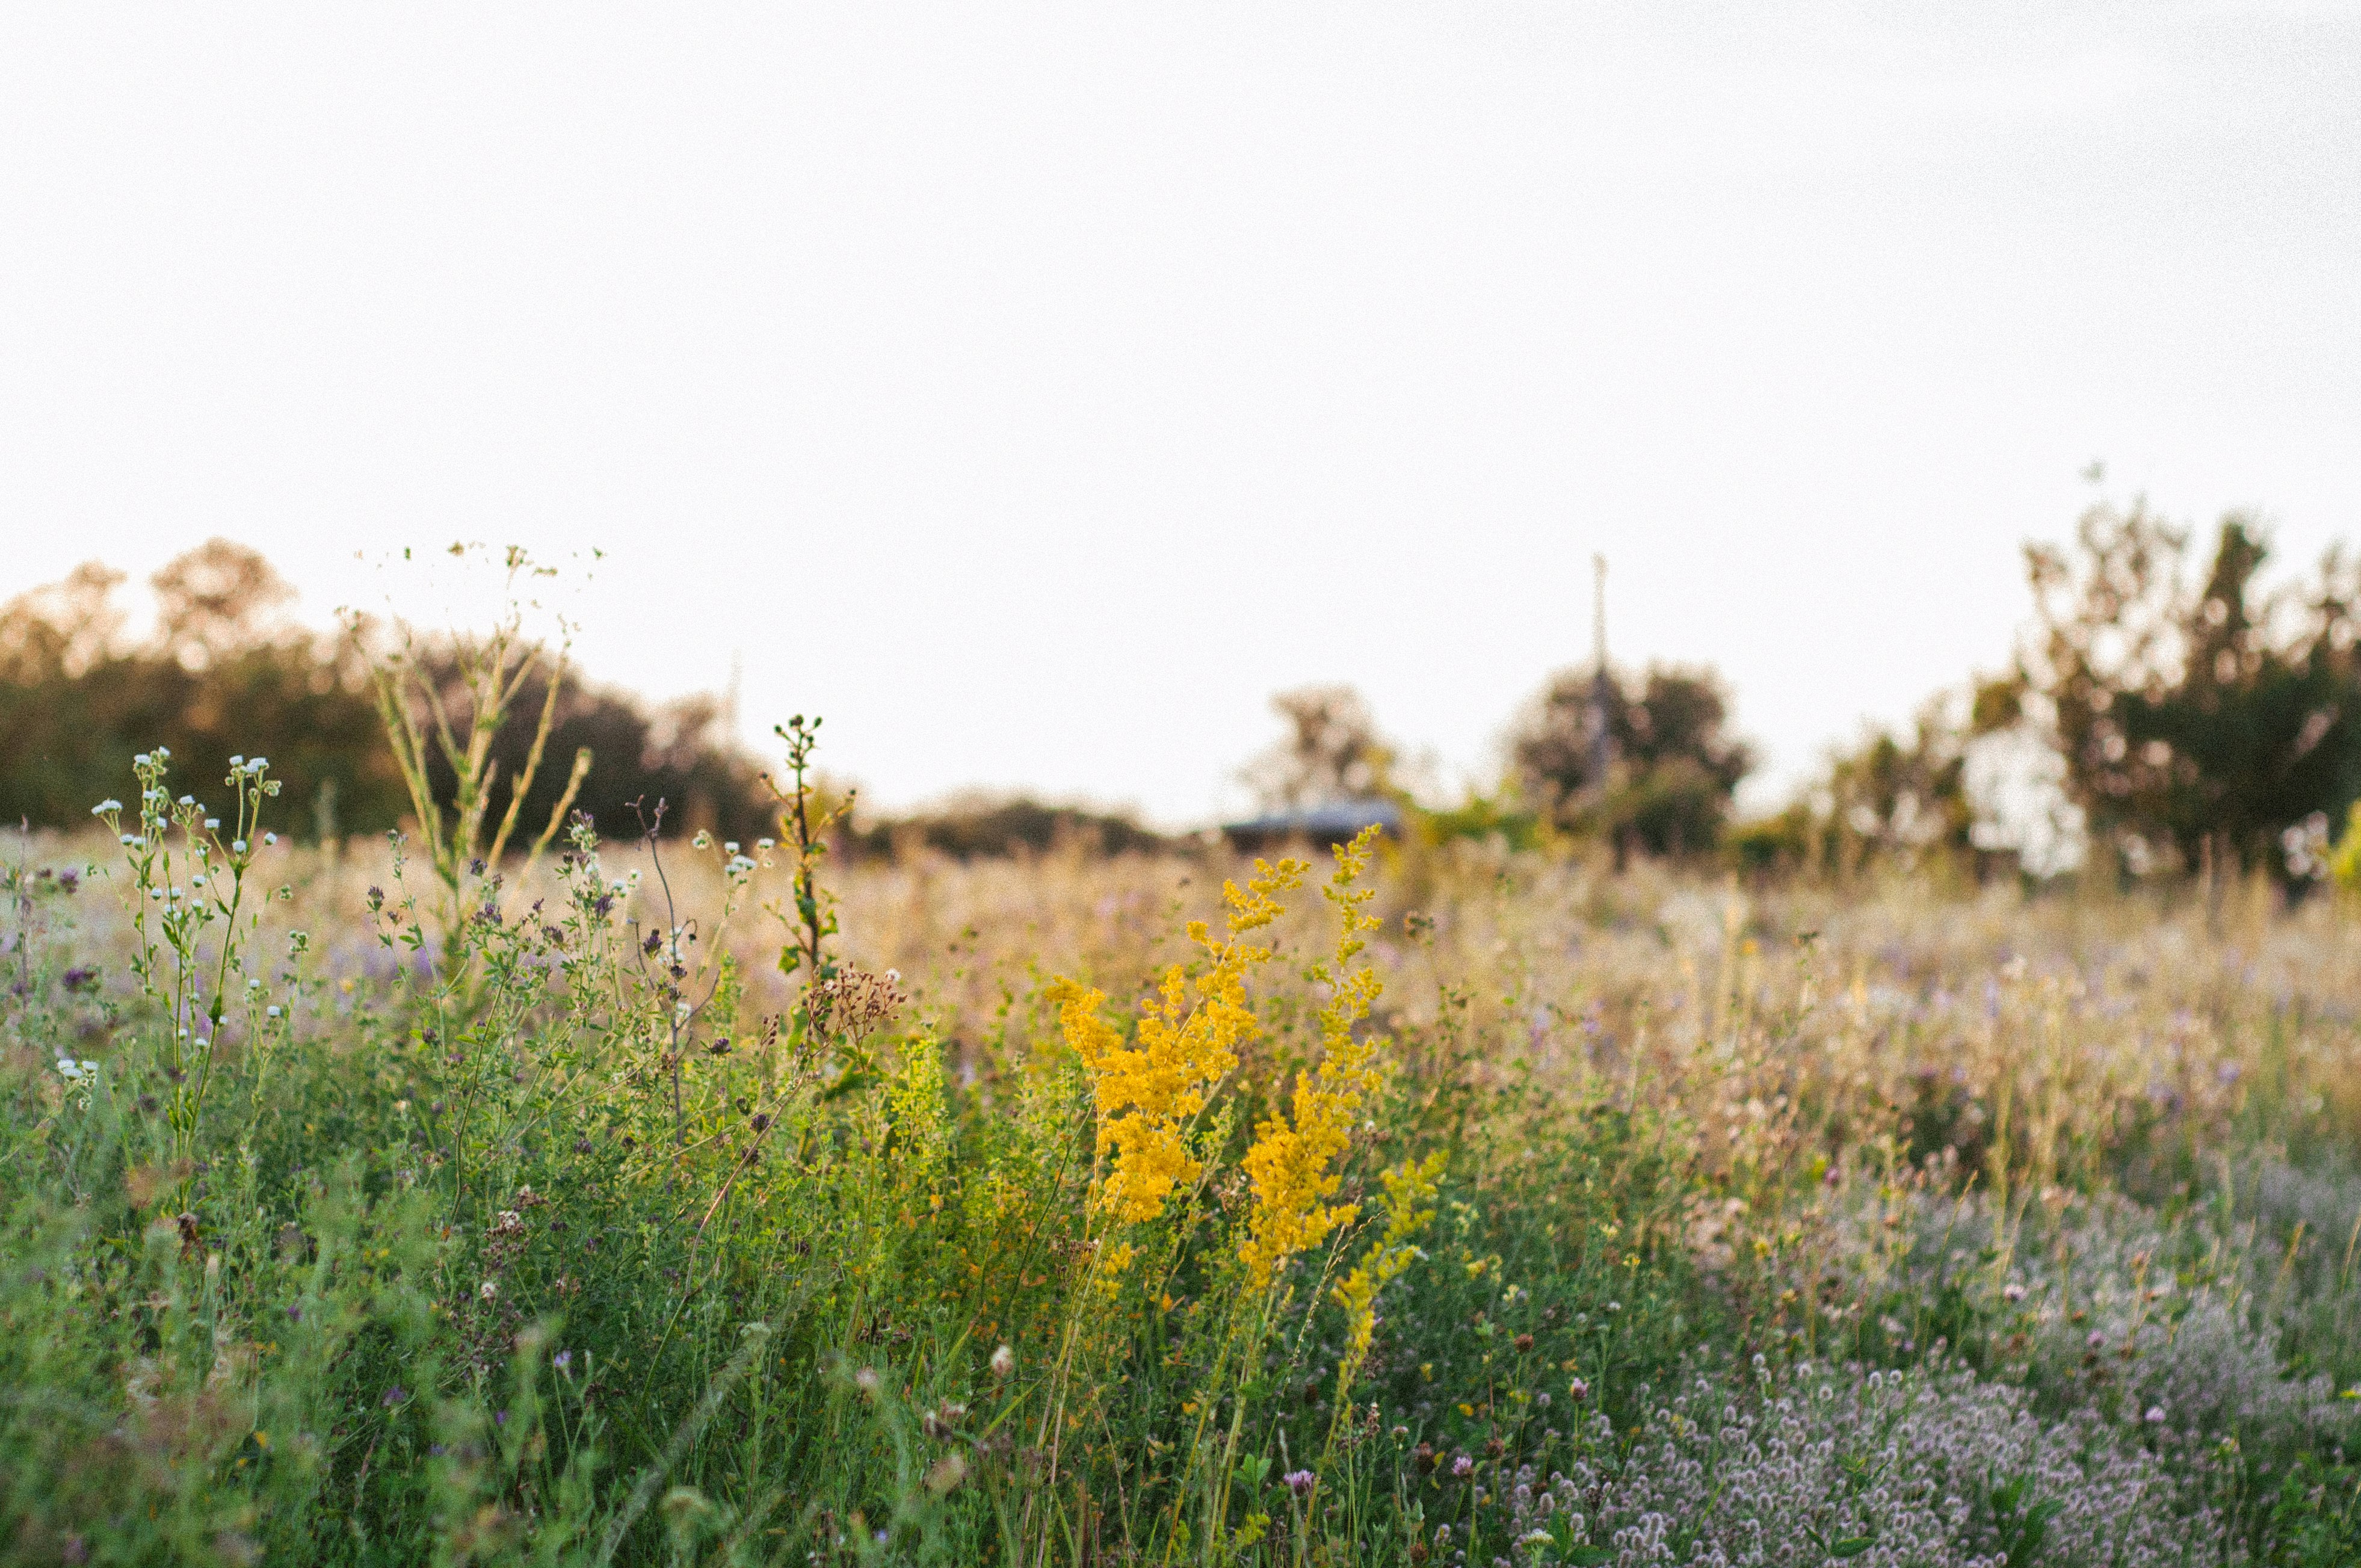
1034, 390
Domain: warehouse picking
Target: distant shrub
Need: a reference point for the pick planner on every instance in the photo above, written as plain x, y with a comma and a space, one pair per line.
1671, 769
979, 826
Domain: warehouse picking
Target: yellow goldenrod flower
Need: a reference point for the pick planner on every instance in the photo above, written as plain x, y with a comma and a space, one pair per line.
1408, 1186
1148, 1092
1288, 1166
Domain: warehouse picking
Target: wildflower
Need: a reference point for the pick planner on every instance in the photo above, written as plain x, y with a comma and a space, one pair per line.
489, 1289
104, 807
1287, 1166
271, 1011
1577, 1390
271, 838
1300, 1482
1463, 1467
2012, 1291
2154, 1415
563, 1361
1148, 1092
394, 1396
1002, 1362
1406, 1187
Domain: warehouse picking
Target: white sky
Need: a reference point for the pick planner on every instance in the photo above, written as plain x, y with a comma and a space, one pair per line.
1034, 390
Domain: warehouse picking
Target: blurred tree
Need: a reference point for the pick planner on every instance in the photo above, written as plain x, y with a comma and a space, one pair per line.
2199, 719
217, 678
223, 674
1901, 800
216, 601
1331, 752
678, 753
1669, 787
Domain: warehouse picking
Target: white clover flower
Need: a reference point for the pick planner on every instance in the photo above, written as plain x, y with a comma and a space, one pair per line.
104, 807
212, 823
140, 761
730, 846
188, 800
765, 843
271, 838
237, 759
252, 983
237, 846
257, 764
270, 1012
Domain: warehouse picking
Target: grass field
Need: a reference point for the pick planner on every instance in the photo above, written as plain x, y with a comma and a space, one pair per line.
1460, 1208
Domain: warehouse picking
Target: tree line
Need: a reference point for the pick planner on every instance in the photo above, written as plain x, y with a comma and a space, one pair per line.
2168, 711
223, 671
2175, 710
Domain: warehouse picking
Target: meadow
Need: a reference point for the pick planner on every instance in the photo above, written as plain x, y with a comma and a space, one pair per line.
673, 1201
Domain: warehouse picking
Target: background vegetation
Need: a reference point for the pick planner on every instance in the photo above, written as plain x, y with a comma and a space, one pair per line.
690, 1184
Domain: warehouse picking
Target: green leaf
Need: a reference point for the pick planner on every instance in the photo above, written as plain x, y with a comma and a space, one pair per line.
1850, 1546
1589, 1556
851, 1083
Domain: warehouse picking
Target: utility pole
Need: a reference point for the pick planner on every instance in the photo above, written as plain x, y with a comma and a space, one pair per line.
729, 698
1602, 692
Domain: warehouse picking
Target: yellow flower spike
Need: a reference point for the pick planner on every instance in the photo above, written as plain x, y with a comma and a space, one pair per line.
1148, 1092
1408, 1186
1288, 1166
